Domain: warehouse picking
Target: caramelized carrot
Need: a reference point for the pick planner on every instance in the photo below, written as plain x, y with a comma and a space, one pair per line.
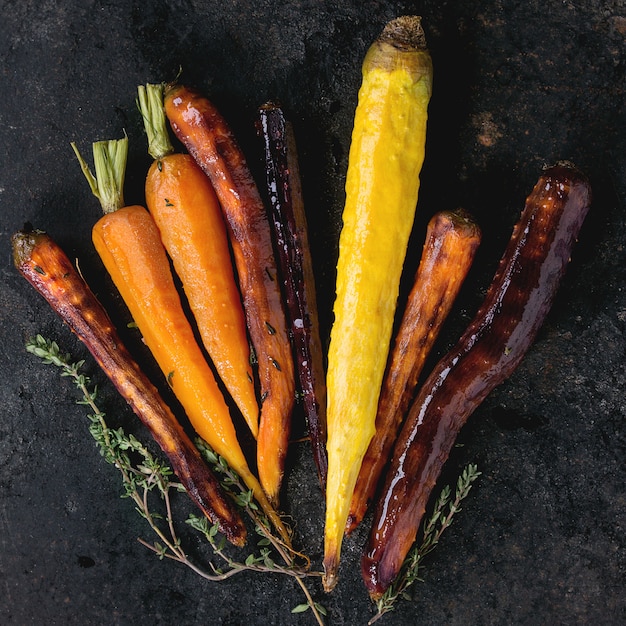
292, 250
451, 242
44, 264
496, 340
129, 244
186, 210
205, 133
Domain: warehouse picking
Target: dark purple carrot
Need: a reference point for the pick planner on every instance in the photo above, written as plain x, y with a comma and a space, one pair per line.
452, 238
289, 225
46, 267
490, 349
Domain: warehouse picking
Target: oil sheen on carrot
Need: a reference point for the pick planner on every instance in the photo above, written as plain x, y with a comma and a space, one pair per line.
186, 210
385, 160
503, 329
452, 238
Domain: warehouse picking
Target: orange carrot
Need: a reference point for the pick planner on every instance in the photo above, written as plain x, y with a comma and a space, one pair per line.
205, 133
451, 242
129, 244
187, 212
44, 264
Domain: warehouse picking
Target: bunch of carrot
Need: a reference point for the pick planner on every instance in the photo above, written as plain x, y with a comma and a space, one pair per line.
200, 206
247, 276
387, 438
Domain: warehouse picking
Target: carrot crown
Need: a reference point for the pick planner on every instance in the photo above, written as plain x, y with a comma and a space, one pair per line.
109, 159
150, 103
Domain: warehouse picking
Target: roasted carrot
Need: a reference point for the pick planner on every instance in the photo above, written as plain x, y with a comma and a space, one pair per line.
129, 244
382, 183
289, 223
494, 343
44, 264
208, 138
452, 238
186, 210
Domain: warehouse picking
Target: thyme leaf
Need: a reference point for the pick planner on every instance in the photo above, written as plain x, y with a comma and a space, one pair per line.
145, 478
439, 521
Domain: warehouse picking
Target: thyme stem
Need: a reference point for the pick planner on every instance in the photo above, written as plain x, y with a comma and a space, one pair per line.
439, 521
143, 474
140, 478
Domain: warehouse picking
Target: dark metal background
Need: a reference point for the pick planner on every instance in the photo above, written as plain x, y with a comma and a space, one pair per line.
517, 85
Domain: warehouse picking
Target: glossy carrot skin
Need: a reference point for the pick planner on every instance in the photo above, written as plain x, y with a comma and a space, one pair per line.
129, 244
503, 329
452, 238
207, 137
186, 210
296, 268
130, 247
45, 266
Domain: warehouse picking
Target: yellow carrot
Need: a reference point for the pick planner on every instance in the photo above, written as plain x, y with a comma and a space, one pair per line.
385, 159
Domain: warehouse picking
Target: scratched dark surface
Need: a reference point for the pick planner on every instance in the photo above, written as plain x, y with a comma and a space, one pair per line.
541, 539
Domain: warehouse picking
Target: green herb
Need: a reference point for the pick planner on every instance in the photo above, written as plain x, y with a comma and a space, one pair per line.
144, 475
301, 608
440, 520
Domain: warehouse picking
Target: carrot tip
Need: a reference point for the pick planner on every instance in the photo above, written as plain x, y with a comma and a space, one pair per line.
330, 577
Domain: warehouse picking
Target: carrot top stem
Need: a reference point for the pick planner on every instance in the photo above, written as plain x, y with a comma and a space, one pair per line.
107, 184
150, 103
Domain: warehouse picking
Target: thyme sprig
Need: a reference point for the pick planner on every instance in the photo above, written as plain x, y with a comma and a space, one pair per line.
439, 521
143, 474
